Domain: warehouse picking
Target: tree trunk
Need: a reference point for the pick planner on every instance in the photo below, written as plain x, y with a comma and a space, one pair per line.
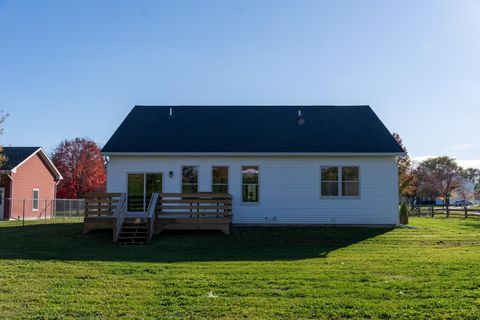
412, 202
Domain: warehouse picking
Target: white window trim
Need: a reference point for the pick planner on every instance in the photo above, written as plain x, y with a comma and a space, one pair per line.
191, 184
359, 182
33, 199
340, 176
228, 176
339, 179
248, 203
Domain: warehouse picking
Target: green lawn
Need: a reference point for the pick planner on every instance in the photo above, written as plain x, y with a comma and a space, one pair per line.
53, 271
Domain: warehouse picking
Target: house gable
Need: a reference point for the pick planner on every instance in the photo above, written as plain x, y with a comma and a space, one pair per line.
252, 130
18, 156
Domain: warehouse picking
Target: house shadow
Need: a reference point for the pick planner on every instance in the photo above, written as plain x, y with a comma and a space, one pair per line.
65, 242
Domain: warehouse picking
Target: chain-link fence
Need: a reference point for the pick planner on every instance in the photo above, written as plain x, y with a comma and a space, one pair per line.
41, 209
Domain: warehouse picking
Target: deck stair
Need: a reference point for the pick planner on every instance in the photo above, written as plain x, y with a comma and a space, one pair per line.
134, 231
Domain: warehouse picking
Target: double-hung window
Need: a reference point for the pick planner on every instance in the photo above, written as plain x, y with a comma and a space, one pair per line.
340, 181
190, 179
35, 199
250, 176
220, 179
350, 182
329, 184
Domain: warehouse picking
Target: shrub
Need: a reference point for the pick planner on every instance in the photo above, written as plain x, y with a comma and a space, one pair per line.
403, 213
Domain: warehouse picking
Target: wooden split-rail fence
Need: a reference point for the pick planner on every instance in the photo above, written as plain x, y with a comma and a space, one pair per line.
432, 211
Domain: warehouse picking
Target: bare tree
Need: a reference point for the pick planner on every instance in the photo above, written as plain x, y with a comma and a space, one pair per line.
3, 117
472, 175
439, 177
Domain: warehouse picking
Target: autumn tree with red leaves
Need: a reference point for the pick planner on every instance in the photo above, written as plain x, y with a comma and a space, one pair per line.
82, 167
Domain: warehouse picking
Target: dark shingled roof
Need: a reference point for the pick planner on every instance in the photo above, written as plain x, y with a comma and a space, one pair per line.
15, 155
326, 129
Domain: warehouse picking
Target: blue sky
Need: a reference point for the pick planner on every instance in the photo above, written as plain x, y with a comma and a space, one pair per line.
76, 68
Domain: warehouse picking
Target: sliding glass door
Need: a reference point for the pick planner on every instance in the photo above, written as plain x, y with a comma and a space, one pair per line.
141, 186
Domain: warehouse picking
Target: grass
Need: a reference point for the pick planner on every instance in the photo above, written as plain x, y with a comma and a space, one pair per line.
53, 271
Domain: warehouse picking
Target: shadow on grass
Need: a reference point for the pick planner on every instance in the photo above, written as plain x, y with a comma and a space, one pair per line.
64, 241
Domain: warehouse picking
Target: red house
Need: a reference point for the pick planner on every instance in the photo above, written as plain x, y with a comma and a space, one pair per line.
28, 183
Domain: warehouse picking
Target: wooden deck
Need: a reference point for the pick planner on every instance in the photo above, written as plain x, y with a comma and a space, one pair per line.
199, 211
167, 211
101, 210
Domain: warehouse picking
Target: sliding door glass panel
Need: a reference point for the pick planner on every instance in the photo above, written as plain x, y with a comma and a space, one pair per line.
154, 184
136, 184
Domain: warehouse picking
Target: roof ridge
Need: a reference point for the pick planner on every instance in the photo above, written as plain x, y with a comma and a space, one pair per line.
254, 106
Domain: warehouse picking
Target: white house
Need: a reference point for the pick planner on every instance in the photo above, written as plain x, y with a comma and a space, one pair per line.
283, 165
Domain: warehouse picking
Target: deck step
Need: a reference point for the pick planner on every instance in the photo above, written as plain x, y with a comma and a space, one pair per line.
132, 227
134, 231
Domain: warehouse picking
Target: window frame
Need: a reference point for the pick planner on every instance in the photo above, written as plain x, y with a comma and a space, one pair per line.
37, 199
220, 184
258, 185
198, 178
340, 182
145, 204
339, 192
358, 181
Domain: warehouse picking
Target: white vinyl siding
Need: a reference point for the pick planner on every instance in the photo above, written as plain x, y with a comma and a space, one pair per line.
289, 187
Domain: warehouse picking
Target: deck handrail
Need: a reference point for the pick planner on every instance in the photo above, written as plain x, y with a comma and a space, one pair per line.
119, 214
150, 214
194, 204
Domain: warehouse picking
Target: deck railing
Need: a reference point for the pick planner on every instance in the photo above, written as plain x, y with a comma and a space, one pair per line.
202, 204
101, 204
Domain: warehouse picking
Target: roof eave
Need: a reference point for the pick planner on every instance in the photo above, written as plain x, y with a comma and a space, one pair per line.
257, 154
57, 174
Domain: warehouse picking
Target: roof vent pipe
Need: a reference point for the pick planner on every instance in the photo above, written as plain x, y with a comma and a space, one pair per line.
300, 119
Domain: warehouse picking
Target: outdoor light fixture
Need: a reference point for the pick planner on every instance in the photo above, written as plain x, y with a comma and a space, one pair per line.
170, 174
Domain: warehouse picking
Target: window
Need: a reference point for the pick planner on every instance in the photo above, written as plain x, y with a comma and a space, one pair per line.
336, 181
250, 183
350, 182
189, 179
220, 179
35, 200
329, 182
141, 186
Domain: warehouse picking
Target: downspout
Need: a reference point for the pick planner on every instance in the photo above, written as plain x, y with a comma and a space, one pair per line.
10, 209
